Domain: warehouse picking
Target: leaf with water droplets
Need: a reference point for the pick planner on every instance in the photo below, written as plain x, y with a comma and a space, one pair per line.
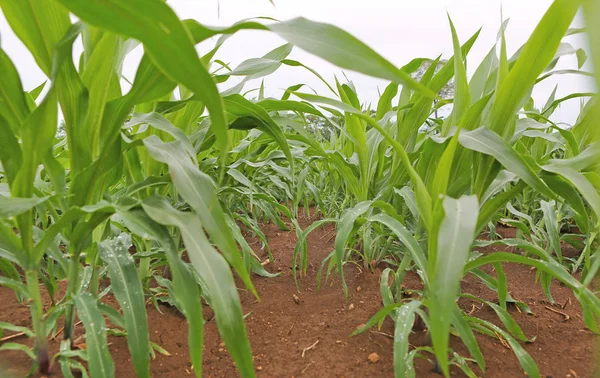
100, 361
129, 292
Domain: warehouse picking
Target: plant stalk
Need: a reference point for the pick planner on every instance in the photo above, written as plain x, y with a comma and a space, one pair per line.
39, 324
72, 283
95, 279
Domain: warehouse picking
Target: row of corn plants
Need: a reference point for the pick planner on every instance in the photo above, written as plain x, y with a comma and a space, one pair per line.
177, 166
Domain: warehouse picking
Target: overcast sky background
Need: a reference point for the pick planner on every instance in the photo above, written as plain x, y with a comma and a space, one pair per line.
400, 30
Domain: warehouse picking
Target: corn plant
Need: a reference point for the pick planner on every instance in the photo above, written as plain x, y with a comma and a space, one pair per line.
75, 201
174, 165
463, 158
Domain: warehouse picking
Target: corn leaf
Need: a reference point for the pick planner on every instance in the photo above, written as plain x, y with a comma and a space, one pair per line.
100, 361
166, 41
199, 191
487, 142
186, 289
404, 319
10, 207
342, 49
129, 293
456, 234
215, 273
537, 53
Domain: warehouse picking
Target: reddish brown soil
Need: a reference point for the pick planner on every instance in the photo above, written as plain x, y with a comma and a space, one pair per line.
279, 328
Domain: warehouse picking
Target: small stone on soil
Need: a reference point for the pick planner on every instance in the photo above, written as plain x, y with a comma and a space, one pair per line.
373, 358
351, 307
358, 289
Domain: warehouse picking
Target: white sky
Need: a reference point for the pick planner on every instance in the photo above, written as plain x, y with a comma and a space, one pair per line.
400, 30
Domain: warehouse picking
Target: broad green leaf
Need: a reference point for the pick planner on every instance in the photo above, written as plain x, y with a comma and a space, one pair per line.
587, 159
501, 286
487, 142
537, 53
100, 361
166, 41
572, 197
481, 75
592, 15
186, 289
199, 191
240, 107
10, 207
39, 25
456, 234
579, 181
35, 92
443, 170
161, 123
342, 49
13, 105
128, 291
37, 136
72, 95
112, 314
10, 152
409, 199
509, 323
404, 319
15, 285
421, 110
10, 244
99, 75
385, 102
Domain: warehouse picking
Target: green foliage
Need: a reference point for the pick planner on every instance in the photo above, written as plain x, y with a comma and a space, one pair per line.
128, 183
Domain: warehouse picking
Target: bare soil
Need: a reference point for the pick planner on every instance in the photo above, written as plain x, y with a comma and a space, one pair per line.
280, 329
